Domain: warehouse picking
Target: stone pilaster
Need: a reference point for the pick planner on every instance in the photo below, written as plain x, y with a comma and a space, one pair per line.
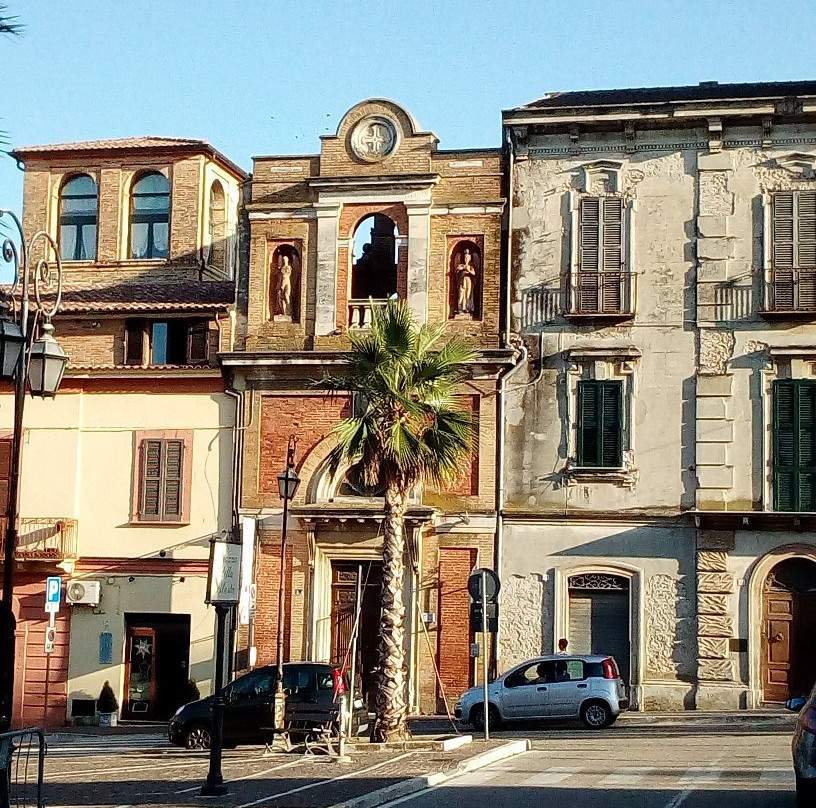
717, 684
328, 217
419, 234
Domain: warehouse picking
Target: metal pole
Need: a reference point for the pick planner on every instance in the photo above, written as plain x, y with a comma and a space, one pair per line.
12, 510
484, 658
279, 702
214, 786
355, 634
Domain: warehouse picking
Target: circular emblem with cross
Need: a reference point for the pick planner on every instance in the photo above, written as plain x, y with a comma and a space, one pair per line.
373, 139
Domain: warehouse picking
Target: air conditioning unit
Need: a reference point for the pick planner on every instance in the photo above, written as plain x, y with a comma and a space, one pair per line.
85, 592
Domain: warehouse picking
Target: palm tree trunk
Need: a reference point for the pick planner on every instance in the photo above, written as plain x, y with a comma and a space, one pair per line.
391, 708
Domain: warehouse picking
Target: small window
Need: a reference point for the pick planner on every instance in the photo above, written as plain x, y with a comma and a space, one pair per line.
600, 424
150, 217
79, 200
162, 476
794, 435
170, 342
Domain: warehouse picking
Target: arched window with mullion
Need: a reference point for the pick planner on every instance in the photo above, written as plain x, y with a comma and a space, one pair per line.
150, 217
79, 203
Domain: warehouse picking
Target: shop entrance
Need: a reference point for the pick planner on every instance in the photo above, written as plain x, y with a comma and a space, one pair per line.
356, 588
157, 659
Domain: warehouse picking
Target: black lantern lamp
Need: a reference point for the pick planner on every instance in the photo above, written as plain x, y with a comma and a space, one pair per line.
288, 482
46, 364
11, 344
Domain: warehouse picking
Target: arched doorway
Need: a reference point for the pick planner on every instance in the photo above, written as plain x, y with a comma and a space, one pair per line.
599, 617
788, 630
373, 267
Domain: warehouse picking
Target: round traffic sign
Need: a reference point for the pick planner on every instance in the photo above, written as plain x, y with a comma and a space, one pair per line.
492, 584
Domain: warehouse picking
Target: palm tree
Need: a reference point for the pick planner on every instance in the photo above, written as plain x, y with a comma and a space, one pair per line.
406, 429
8, 24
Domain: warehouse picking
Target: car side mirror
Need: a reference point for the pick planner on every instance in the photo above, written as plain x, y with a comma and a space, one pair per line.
796, 703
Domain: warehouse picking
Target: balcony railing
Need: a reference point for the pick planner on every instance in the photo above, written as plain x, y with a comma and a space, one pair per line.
44, 539
602, 294
789, 291
361, 312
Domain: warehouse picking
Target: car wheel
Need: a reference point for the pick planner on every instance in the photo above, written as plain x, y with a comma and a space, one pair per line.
596, 715
198, 737
805, 792
477, 717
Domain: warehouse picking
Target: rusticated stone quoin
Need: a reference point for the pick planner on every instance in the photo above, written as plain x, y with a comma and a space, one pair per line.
711, 561
713, 647
721, 670
722, 582
715, 625
712, 604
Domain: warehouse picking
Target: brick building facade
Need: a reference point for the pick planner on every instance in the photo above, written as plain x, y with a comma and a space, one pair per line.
380, 211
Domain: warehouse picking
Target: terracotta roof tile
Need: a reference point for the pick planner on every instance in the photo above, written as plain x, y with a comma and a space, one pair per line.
144, 142
146, 297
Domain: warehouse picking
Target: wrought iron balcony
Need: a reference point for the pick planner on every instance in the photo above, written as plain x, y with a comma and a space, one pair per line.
602, 294
44, 539
789, 292
361, 312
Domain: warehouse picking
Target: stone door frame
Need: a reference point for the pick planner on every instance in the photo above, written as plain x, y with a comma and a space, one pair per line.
637, 620
756, 583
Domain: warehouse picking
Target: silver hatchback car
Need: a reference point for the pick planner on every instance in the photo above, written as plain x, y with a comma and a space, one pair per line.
560, 686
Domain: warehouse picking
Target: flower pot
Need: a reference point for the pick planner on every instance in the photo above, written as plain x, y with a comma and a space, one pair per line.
107, 719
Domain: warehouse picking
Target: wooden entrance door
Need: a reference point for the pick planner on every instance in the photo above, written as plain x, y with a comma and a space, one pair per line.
344, 615
777, 641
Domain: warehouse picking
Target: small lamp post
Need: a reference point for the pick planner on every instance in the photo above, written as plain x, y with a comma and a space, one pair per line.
28, 353
288, 482
223, 592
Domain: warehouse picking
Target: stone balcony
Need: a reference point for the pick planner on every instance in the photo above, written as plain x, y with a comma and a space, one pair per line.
50, 539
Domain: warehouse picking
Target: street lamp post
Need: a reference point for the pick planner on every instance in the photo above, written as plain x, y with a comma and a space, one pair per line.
223, 591
28, 353
288, 482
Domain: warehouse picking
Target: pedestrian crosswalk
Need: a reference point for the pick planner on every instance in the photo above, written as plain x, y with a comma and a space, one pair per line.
642, 777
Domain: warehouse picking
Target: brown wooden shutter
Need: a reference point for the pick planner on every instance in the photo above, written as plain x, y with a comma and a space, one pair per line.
806, 229
134, 342
198, 343
783, 230
173, 479
151, 480
590, 240
5, 475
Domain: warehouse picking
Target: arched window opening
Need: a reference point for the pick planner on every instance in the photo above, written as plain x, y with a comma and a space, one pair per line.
374, 267
217, 252
284, 284
150, 217
79, 200
354, 484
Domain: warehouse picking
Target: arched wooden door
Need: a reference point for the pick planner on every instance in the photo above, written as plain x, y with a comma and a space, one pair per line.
789, 630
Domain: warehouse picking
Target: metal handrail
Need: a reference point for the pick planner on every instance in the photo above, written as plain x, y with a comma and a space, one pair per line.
44, 538
22, 768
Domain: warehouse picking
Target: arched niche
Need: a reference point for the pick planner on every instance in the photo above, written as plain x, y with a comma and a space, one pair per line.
284, 283
465, 278
217, 227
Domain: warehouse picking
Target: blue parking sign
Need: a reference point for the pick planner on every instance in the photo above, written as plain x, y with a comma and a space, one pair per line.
53, 591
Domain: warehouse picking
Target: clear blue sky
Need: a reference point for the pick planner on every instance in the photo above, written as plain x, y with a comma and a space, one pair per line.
270, 76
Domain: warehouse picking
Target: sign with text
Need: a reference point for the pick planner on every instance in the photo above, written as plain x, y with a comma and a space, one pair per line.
53, 592
50, 639
225, 573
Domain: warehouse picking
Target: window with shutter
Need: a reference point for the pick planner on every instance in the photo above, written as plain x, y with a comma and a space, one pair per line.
794, 431
198, 343
600, 261
134, 342
600, 424
162, 484
793, 251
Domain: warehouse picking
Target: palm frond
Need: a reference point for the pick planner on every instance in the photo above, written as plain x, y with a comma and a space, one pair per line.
9, 25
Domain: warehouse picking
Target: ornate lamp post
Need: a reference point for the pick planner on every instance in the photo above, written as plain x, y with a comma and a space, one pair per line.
28, 353
288, 482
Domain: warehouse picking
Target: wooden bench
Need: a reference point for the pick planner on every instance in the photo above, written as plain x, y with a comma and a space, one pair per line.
315, 734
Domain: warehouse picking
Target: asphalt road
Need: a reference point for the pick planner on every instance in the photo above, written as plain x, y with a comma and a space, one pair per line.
695, 768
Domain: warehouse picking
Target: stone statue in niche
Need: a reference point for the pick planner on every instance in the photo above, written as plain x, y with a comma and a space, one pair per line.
465, 272
284, 282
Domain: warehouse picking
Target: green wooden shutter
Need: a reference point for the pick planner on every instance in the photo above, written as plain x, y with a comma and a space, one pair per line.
794, 445
600, 424
588, 424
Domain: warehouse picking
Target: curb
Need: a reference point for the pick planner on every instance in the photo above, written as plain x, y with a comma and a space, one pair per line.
417, 784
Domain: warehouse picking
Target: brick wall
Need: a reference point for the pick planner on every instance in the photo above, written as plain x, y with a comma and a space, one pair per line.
267, 578
455, 565
308, 416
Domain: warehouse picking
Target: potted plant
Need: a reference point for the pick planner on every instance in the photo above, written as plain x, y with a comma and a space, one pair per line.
107, 706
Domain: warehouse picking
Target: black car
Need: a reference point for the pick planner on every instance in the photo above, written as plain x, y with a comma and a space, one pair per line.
313, 692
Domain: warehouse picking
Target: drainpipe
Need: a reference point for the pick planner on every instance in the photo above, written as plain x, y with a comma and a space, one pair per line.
498, 543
